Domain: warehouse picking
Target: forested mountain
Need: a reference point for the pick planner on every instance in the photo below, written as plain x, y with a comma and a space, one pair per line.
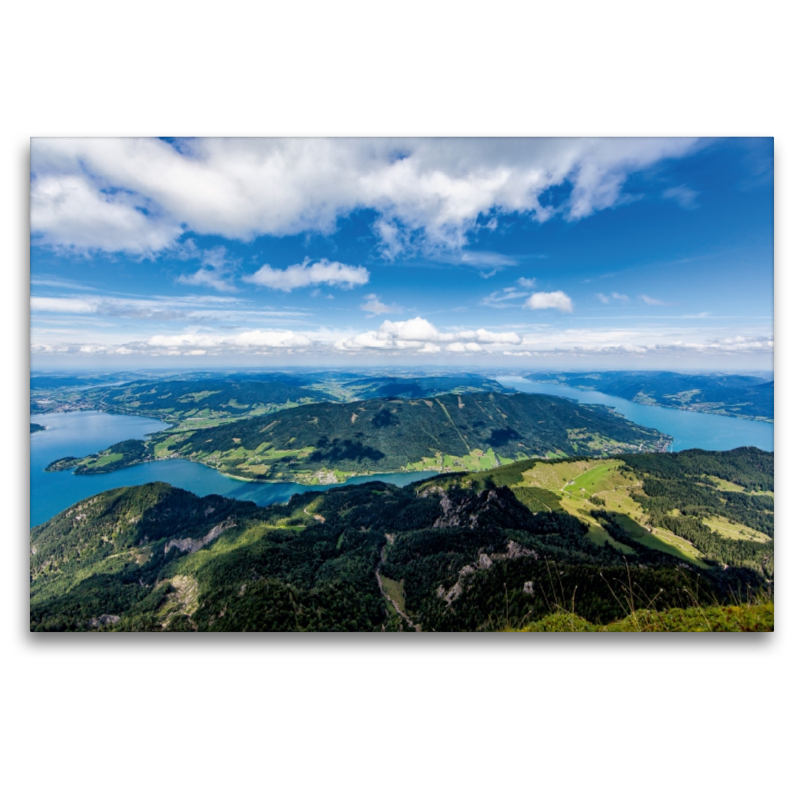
571, 543
177, 400
327, 442
735, 395
210, 396
426, 386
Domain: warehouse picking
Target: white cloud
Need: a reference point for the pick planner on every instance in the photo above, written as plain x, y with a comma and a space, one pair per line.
63, 305
298, 276
462, 347
375, 306
651, 301
479, 258
216, 270
420, 335
683, 196
208, 277
141, 195
557, 300
255, 339
70, 211
614, 296
504, 298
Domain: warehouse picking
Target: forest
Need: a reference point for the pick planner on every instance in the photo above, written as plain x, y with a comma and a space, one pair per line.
488, 551
326, 442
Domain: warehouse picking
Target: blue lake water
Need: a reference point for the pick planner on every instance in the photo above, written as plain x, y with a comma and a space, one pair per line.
83, 432
688, 428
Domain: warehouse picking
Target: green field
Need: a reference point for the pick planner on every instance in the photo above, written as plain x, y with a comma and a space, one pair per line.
734, 530
575, 482
396, 592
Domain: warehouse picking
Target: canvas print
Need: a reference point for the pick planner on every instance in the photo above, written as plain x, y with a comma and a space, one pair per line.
401, 385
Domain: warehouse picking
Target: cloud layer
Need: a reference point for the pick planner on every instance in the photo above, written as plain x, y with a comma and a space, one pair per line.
141, 195
418, 334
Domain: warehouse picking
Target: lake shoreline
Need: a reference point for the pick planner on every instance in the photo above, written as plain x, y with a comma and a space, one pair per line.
769, 421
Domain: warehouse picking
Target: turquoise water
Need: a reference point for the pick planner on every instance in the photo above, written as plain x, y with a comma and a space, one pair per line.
688, 428
80, 433
83, 432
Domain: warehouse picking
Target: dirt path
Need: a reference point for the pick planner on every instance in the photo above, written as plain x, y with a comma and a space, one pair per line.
317, 517
378, 576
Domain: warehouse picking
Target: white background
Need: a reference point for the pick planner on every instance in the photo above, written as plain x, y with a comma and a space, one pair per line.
370, 716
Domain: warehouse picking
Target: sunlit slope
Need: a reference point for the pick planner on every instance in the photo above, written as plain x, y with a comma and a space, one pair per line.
702, 507
368, 557
328, 441
506, 548
757, 617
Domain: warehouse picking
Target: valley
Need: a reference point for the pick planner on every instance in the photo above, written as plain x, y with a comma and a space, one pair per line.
537, 544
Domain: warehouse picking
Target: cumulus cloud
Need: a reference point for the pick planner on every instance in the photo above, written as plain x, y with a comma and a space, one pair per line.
297, 276
71, 211
374, 306
141, 195
420, 335
542, 300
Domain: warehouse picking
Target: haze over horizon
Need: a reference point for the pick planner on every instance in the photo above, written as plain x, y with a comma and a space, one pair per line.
518, 255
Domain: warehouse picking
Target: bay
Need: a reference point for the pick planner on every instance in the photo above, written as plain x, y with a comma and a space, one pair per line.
689, 429
80, 433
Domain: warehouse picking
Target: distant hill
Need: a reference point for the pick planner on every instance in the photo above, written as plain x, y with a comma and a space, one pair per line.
423, 386
542, 545
733, 395
214, 396
175, 400
327, 442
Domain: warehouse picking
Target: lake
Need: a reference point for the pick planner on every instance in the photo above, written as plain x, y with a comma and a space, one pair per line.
80, 433
688, 428
83, 432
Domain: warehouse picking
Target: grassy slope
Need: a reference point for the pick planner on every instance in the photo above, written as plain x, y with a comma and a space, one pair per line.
582, 486
759, 617
326, 442
155, 557
186, 400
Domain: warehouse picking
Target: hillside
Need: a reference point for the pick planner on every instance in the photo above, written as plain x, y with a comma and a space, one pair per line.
327, 442
734, 395
504, 549
423, 386
207, 397
180, 400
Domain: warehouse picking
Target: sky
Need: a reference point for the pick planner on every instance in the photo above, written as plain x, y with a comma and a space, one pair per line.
518, 255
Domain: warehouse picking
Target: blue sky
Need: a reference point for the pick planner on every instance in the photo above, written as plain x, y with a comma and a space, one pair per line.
522, 254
